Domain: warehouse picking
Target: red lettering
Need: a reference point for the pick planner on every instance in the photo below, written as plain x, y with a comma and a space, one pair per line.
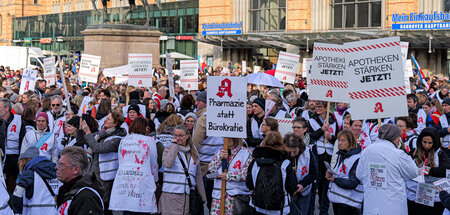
189, 86
378, 107
44, 147
62, 208
343, 169
284, 78
420, 120
329, 94
140, 82
304, 170
237, 165
27, 85
225, 87
331, 130
13, 128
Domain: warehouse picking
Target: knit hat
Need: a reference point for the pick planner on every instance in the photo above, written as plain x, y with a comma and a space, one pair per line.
74, 121
261, 102
44, 114
446, 101
135, 108
191, 114
389, 132
31, 152
13, 97
202, 97
18, 108
163, 103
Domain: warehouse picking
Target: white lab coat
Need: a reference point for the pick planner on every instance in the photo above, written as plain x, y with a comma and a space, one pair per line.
399, 167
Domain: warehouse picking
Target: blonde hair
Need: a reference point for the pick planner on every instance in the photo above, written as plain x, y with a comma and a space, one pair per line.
171, 121
274, 140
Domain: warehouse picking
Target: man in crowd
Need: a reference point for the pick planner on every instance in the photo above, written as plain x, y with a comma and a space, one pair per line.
56, 118
254, 134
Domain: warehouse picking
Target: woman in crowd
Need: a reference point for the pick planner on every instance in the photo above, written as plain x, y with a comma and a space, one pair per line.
42, 138
433, 163
139, 146
104, 108
190, 121
345, 191
133, 113
271, 159
167, 109
434, 114
383, 169
180, 155
268, 125
186, 105
409, 139
104, 147
151, 107
70, 133
28, 117
238, 159
305, 167
166, 129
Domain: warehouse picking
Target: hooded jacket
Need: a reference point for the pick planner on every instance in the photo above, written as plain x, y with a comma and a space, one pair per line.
40, 165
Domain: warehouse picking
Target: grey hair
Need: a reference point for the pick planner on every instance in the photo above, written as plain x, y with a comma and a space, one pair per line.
291, 98
10, 81
77, 157
56, 97
6, 103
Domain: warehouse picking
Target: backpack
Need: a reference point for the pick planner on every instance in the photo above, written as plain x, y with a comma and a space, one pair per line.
269, 192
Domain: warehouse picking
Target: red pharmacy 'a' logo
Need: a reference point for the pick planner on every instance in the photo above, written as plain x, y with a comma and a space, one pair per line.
225, 88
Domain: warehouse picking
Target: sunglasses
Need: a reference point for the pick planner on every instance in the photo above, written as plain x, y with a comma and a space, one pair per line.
56, 105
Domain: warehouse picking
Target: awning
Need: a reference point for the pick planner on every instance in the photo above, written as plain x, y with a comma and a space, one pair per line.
176, 55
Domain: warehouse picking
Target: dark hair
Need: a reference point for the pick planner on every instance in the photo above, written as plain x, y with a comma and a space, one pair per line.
91, 122
106, 92
291, 141
187, 101
29, 113
413, 97
274, 140
272, 123
117, 117
300, 120
105, 106
408, 121
138, 126
350, 138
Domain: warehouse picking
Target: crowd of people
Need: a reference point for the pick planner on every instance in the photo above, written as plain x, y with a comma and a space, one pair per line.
110, 148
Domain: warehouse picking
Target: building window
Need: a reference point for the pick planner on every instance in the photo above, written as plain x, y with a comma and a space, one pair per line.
267, 15
447, 5
355, 13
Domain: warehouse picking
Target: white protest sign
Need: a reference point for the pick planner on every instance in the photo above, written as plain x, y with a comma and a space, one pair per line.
284, 126
50, 71
404, 49
28, 81
120, 79
169, 66
189, 74
376, 80
408, 68
307, 63
256, 69
425, 194
327, 81
287, 67
141, 70
84, 105
443, 184
226, 105
244, 66
268, 107
89, 68
377, 175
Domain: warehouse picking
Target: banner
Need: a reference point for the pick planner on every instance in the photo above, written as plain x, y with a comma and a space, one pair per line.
284, 126
327, 81
226, 105
287, 67
50, 71
307, 65
89, 68
169, 66
28, 81
189, 74
141, 70
376, 80
120, 70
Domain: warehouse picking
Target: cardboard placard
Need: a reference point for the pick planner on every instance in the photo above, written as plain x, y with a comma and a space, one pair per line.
376, 80
425, 194
307, 64
226, 105
140, 74
327, 81
443, 184
89, 68
189, 74
28, 81
284, 126
50, 71
287, 67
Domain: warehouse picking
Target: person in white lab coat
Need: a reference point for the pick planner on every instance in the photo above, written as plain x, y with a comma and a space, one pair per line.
383, 169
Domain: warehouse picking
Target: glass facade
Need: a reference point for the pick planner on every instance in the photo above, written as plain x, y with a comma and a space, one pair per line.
174, 19
267, 15
347, 14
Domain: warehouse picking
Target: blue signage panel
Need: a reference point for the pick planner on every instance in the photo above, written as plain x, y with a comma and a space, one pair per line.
421, 26
222, 32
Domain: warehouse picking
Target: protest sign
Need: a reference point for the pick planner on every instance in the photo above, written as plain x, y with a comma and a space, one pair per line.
120, 79
244, 66
226, 105
408, 68
268, 107
327, 81
404, 48
141, 70
169, 66
443, 184
28, 81
189, 74
376, 80
50, 71
307, 64
377, 175
89, 68
425, 194
84, 105
284, 126
287, 67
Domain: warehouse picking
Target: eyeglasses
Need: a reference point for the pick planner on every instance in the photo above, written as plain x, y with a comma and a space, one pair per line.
296, 127
62, 166
56, 105
179, 136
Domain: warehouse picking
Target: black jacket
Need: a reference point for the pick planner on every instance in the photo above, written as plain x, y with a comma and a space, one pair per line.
445, 199
4, 131
85, 202
267, 154
315, 135
251, 141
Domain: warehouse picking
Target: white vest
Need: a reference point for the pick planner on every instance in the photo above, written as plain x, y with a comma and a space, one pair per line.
340, 118
444, 123
142, 110
42, 201
280, 114
45, 149
101, 122
303, 169
286, 208
64, 208
174, 177
209, 147
321, 147
57, 127
134, 185
411, 186
108, 163
336, 194
72, 142
256, 130
305, 114
12, 135
411, 142
235, 166
4, 197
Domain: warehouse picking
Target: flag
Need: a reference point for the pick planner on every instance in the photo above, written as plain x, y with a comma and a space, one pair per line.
421, 75
201, 64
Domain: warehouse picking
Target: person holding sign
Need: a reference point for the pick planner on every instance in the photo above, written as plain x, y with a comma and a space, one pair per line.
433, 163
383, 169
345, 192
237, 194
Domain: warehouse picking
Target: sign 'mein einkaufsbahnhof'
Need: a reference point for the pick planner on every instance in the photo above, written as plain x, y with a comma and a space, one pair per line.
220, 29
422, 21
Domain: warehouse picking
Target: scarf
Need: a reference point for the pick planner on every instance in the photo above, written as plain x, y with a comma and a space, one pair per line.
341, 110
129, 121
184, 149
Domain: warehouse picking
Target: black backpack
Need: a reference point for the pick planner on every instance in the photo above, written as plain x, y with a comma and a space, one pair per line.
269, 193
